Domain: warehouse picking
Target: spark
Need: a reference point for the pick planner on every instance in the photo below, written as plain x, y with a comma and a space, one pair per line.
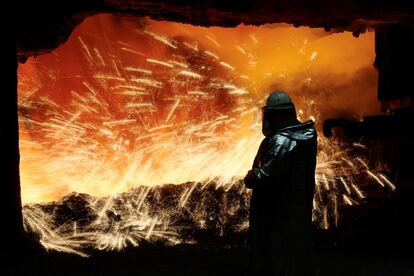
186, 195
190, 74
79, 97
98, 54
160, 62
240, 49
162, 39
148, 82
211, 54
313, 56
336, 215
108, 77
348, 162
136, 69
137, 105
133, 93
212, 40
116, 67
119, 122
363, 163
389, 183
178, 63
325, 180
159, 127
234, 89
174, 107
347, 200
194, 47
239, 91
133, 51
197, 93
358, 191
254, 39
314, 204
376, 178
123, 43
345, 185
359, 145
325, 219
129, 87
228, 66
86, 49
106, 132
151, 228
89, 87
248, 111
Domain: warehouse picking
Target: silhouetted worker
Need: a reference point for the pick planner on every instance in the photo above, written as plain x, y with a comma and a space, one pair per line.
283, 183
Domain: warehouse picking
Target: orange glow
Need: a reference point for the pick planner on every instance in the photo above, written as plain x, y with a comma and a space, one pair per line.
129, 102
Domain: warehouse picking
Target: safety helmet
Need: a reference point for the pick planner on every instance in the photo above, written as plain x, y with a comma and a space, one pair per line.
278, 100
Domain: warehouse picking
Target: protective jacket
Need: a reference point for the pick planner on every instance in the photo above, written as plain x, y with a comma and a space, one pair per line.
283, 182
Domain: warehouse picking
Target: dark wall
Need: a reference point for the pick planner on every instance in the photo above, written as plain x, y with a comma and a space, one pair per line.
394, 47
10, 204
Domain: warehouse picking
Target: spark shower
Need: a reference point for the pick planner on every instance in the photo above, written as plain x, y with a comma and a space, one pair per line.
128, 103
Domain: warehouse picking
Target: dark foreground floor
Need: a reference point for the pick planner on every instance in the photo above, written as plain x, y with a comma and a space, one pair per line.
380, 249
191, 260
374, 246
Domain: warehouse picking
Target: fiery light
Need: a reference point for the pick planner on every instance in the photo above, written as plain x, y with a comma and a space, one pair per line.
133, 103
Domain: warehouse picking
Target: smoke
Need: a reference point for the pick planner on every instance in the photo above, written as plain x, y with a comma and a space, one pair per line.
334, 70
335, 95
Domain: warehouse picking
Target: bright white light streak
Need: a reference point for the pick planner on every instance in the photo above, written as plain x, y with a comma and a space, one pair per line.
163, 63
313, 56
376, 178
345, 185
173, 108
148, 82
162, 39
347, 200
119, 122
133, 51
197, 93
389, 183
86, 50
211, 54
136, 69
178, 63
213, 40
98, 54
240, 49
362, 162
358, 191
228, 66
190, 74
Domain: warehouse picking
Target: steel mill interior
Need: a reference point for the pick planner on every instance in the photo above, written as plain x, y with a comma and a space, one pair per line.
127, 128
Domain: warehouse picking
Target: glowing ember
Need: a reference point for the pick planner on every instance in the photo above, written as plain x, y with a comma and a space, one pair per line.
119, 107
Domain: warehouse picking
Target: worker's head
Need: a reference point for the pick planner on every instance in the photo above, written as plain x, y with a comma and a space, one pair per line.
278, 112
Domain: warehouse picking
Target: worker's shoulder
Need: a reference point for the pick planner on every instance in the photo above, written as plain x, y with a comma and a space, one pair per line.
286, 139
301, 132
281, 143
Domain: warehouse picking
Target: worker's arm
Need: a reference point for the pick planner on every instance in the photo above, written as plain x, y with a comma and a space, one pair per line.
272, 164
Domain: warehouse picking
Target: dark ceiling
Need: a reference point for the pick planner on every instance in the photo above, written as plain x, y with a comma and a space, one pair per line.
44, 25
